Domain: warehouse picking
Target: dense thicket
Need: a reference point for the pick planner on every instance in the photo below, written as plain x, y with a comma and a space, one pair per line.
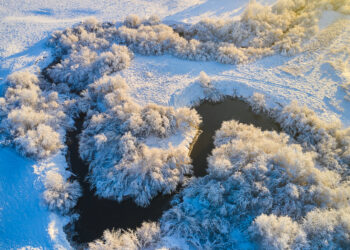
265, 190
60, 194
129, 147
285, 190
86, 54
35, 120
260, 31
32, 117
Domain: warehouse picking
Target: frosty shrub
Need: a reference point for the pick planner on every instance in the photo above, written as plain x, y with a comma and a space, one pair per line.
261, 188
210, 92
159, 39
142, 238
32, 117
35, 121
260, 31
329, 139
60, 194
204, 79
122, 142
132, 21
83, 66
320, 229
274, 232
41, 141
90, 33
257, 102
328, 229
87, 52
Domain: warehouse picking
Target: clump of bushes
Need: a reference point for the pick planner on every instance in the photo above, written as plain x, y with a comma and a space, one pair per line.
129, 147
32, 117
60, 194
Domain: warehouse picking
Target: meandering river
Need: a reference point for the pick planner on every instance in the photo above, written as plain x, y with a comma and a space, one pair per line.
98, 214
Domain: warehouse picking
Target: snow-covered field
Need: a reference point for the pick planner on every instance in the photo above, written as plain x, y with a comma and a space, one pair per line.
315, 73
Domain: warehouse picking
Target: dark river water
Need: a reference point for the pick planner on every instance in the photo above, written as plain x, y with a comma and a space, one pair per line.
213, 114
97, 214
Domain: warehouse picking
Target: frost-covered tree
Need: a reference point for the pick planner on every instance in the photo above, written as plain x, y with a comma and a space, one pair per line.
258, 103
142, 238
60, 194
84, 66
261, 31
272, 232
35, 121
210, 92
122, 142
328, 229
320, 229
329, 139
263, 189
32, 117
87, 52
90, 33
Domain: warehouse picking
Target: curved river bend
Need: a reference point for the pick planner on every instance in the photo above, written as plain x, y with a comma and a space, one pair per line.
98, 214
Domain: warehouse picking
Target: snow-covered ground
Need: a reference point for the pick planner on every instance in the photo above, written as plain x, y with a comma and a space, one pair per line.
25, 220
318, 78
24, 30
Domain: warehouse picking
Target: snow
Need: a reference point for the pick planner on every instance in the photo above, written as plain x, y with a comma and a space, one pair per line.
134, 144
318, 78
24, 23
211, 9
269, 76
24, 218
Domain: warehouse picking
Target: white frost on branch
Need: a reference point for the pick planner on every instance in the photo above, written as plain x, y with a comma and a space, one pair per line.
60, 194
264, 189
204, 79
87, 52
329, 139
257, 102
32, 117
320, 229
273, 232
35, 121
260, 31
276, 193
84, 66
115, 143
142, 238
